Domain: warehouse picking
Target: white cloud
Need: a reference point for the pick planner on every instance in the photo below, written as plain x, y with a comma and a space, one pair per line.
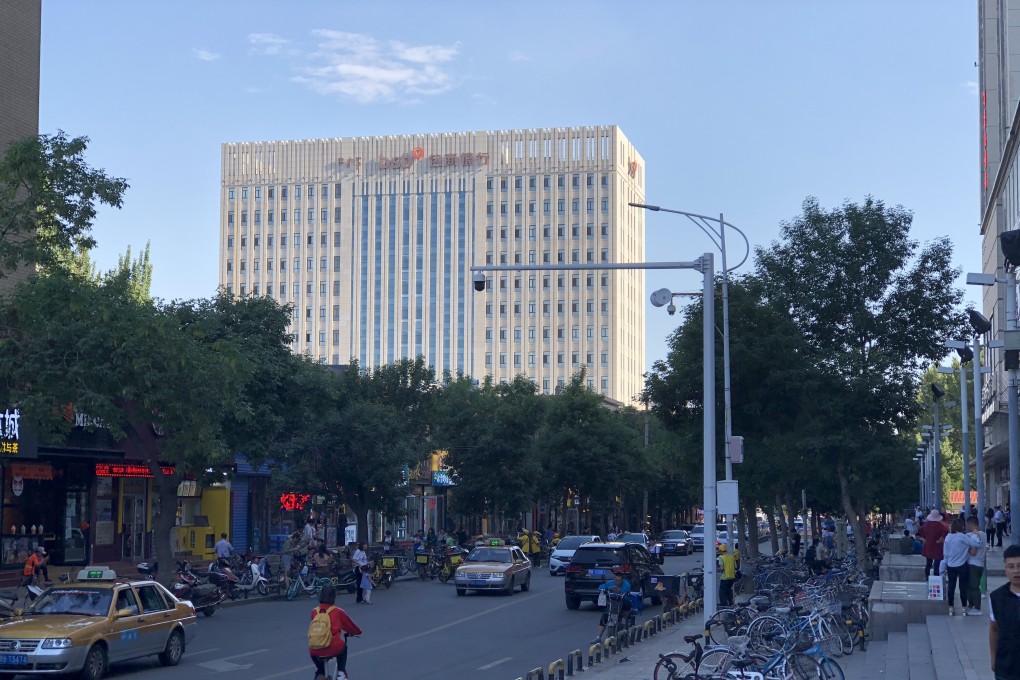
268, 44
972, 88
363, 68
205, 55
516, 55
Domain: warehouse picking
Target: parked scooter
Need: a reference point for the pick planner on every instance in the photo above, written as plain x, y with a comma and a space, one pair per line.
203, 595
252, 579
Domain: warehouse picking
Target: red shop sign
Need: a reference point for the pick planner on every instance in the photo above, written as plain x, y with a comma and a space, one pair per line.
121, 470
293, 501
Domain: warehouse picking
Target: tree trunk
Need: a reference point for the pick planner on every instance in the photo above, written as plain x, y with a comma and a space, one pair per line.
747, 541
164, 520
773, 534
784, 523
848, 508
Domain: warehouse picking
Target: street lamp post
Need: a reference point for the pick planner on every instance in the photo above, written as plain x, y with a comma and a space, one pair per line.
706, 265
706, 223
966, 355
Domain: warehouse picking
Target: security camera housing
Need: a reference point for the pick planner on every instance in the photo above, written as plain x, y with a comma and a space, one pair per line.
479, 281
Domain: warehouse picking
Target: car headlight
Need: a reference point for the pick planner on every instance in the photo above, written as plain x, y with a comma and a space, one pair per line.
56, 643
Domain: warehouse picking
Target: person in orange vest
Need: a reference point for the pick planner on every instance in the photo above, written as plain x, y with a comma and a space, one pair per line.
35, 564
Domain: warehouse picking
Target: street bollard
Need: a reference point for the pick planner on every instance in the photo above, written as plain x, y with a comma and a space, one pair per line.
658, 622
609, 646
535, 674
623, 639
555, 666
647, 630
594, 654
576, 654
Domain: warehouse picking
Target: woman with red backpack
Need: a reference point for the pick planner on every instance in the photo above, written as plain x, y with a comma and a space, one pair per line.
326, 634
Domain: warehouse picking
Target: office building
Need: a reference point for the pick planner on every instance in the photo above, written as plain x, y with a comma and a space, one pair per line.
999, 176
371, 239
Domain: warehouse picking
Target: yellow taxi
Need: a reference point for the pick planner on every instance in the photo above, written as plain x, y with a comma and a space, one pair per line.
495, 566
100, 619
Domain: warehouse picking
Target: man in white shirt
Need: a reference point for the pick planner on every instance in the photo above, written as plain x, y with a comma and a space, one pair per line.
908, 524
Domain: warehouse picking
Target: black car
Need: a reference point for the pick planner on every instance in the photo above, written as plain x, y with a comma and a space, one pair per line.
595, 563
676, 542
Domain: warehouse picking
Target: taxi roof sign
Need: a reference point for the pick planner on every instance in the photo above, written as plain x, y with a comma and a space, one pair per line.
496, 542
97, 574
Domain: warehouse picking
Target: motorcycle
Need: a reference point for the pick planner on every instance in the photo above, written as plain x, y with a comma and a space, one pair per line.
347, 579
203, 595
225, 579
148, 570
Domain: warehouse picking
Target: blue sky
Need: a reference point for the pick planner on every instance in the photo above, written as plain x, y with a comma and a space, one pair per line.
737, 107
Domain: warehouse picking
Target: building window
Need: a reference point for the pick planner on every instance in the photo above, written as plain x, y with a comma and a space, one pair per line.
605, 205
230, 241
244, 193
336, 215
336, 263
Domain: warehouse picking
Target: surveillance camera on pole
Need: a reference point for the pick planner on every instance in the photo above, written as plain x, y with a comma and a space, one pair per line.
479, 281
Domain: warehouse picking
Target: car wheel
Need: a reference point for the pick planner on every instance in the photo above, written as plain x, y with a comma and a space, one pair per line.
509, 587
526, 585
95, 664
174, 649
209, 611
573, 602
462, 591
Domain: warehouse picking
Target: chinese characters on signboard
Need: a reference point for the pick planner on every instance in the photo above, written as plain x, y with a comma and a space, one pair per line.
293, 501
416, 158
121, 470
15, 440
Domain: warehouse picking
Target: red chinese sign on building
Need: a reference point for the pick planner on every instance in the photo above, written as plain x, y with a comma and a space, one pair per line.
121, 470
293, 501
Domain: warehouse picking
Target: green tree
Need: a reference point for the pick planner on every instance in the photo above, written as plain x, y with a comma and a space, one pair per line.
489, 431
376, 425
589, 450
875, 308
48, 200
182, 383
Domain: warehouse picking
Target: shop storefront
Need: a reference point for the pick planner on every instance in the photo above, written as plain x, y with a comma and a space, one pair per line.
250, 506
203, 513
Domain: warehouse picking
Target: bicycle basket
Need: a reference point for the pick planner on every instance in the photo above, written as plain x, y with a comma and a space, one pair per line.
456, 560
835, 608
421, 559
389, 563
738, 643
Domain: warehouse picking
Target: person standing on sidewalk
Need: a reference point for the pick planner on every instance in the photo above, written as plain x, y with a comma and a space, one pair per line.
956, 549
975, 568
933, 532
1004, 629
1000, 525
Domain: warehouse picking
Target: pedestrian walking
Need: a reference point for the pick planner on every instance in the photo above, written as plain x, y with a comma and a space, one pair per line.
727, 565
933, 532
1000, 525
975, 567
990, 527
1004, 627
956, 549
366, 585
536, 549
360, 559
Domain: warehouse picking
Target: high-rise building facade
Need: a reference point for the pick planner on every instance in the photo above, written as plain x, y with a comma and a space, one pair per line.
372, 240
999, 183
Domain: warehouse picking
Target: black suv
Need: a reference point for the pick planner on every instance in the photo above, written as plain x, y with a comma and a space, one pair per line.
595, 563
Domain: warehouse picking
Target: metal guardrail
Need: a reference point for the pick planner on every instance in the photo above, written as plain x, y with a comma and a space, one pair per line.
599, 652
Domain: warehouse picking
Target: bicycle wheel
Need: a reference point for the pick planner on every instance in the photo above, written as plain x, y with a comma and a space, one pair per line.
683, 668
765, 633
444, 575
715, 662
800, 666
292, 591
847, 636
830, 670
402, 566
721, 626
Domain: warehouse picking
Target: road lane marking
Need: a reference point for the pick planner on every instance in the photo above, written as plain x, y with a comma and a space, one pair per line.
304, 668
238, 656
203, 651
225, 664
494, 664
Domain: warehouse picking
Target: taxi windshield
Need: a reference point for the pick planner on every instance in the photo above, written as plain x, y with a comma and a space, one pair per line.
73, 601
489, 555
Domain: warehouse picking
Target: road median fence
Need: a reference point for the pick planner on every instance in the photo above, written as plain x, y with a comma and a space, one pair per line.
604, 650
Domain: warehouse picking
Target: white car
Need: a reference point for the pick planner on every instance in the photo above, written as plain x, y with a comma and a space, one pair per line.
562, 553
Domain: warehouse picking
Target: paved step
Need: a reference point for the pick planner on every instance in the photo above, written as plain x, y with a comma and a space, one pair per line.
944, 651
897, 666
869, 665
919, 653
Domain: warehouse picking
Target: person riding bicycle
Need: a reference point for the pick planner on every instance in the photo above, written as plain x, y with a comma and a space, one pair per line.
618, 585
340, 623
